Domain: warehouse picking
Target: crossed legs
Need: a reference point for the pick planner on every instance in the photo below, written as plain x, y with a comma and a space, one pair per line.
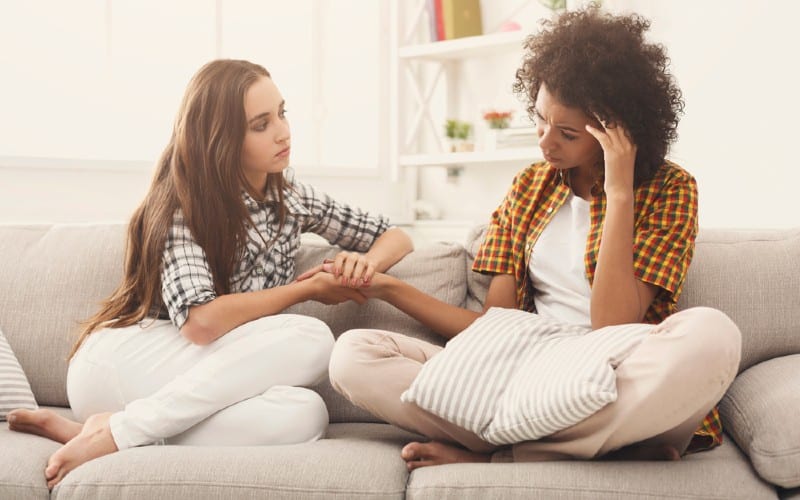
665, 387
141, 385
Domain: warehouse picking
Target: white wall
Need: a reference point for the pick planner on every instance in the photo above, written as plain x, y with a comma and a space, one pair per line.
90, 90
735, 61
736, 64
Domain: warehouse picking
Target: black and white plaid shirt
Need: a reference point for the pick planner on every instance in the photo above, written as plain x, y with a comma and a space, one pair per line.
186, 278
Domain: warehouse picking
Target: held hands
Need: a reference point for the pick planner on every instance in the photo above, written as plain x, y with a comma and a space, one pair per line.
353, 270
327, 289
347, 277
619, 153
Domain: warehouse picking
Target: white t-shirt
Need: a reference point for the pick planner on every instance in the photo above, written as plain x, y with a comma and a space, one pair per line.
556, 265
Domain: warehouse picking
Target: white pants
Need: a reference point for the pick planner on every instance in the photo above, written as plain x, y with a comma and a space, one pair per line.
241, 389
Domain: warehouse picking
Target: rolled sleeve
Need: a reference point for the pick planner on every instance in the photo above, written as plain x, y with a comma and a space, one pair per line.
496, 253
186, 278
664, 240
347, 227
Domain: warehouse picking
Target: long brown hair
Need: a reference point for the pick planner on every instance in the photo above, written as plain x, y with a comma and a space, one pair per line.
199, 173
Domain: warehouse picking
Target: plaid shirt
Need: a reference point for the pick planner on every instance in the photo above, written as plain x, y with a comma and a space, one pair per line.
665, 230
186, 278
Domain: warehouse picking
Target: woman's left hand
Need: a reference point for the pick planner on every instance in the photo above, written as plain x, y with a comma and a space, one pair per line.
619, 153
353, 269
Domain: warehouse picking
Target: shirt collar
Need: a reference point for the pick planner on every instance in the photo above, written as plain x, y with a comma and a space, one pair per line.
294, 206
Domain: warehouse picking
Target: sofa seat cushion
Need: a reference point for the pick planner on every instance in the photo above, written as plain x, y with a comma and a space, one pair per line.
353, 461
23, 458
722, 473
760, 411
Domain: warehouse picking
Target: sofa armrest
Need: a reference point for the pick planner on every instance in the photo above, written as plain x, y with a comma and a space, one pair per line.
760, 412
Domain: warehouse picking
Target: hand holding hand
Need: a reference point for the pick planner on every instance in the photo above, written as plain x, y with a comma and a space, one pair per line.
327, 289
619, 153
353, 269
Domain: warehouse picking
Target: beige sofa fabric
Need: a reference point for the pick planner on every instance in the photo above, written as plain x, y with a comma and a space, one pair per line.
52, 277
754, 277
722, 473
23, 458
760, 411
358, 461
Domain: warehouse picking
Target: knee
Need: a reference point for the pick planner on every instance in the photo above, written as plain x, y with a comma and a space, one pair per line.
316, 344
306, 415
715, 337
345, 368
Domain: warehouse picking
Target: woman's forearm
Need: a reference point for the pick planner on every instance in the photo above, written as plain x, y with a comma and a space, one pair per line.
445, 319
616, 292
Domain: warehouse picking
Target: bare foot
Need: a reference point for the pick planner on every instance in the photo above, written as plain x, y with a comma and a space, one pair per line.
94, 440
662, 452
45, 423
435, 453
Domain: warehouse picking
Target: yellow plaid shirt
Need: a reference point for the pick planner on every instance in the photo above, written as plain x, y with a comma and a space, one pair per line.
665, 230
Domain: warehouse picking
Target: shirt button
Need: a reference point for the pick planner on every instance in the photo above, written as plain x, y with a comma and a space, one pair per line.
259, 271
549, 210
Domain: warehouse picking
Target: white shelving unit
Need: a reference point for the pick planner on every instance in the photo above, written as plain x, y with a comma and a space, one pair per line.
419, 69
461, 48
465, 158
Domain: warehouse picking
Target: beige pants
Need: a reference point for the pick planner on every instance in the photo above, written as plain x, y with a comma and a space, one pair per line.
665, 388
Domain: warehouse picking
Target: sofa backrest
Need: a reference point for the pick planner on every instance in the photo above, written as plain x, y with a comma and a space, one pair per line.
52, 277
752, 276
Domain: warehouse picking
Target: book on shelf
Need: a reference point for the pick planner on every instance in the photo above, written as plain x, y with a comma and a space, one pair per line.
512, 137
449, 19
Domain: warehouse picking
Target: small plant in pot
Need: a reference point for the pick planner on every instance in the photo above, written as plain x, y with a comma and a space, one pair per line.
459, 133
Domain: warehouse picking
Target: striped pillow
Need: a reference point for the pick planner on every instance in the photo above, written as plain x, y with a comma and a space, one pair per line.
15, 392
514, 376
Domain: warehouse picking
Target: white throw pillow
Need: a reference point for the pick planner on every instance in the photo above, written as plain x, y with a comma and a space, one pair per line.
514, 376
15, 391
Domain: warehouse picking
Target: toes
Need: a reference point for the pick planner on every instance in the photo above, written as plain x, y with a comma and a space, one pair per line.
416, 464
411, 451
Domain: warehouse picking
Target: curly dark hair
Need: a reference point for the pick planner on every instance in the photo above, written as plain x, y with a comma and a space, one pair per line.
601, 64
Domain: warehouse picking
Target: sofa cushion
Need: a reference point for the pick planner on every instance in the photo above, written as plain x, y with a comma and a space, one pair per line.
760, 411
51, 278
15, 391
754, 277
722, 474
23, 458
353, 461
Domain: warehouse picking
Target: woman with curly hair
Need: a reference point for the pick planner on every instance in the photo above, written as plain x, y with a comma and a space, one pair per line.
597, 236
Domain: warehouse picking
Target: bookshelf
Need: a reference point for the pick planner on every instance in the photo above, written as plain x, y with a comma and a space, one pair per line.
461, 48
471, 157
428, 87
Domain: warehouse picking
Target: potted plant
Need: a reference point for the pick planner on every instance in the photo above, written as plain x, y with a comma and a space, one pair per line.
498, 119
459, 133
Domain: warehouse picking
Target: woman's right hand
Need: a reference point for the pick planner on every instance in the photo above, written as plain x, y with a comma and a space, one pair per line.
327, 289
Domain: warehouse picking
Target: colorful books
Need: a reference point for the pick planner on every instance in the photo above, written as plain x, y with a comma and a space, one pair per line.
450, 19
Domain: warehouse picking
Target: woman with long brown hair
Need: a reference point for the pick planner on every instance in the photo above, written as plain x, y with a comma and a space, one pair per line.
191, 348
